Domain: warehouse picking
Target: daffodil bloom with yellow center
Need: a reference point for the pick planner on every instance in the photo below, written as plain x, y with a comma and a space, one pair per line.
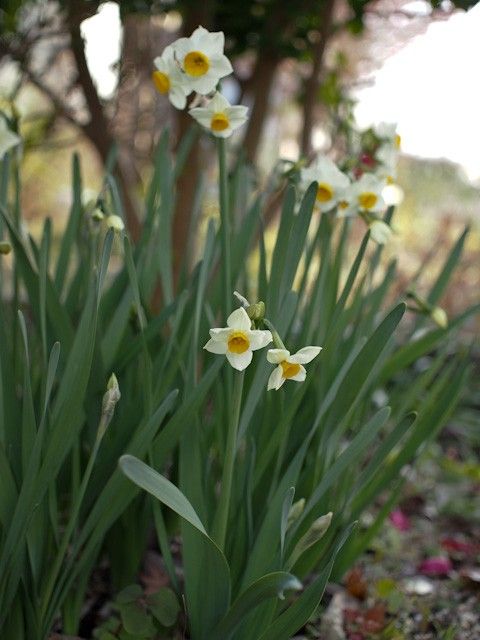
289, 366
202, 60
332, 183
366, 193
238, 340
169, 80
219, 116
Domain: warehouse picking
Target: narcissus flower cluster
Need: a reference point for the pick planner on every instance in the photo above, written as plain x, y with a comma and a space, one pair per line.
358, 189
240, 338
197, 64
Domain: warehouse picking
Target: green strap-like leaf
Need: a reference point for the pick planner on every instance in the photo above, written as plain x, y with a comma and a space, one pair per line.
269, 586
161, 488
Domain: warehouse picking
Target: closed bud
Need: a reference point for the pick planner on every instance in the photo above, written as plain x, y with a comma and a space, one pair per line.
110, 399
256, 311
439, 316
316, 532
295, 512
5, 248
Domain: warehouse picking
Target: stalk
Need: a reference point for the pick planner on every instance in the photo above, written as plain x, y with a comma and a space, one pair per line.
225, 224
221, 518
110, 399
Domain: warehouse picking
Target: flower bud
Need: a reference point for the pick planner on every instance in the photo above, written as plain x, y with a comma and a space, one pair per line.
115, 222
295, 512
256, 311
439, 316
316, 532
110, 399
5, 248
380, 232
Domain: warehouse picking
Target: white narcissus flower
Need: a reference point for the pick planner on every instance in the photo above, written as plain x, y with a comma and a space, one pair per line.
219, 117
8, 139
387, 157
380, 232
237, 340
289, 366
332, 183
202, 59
366, 193
388, 131
169, 80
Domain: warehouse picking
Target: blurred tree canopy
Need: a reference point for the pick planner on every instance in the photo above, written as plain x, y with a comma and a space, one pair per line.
44, 40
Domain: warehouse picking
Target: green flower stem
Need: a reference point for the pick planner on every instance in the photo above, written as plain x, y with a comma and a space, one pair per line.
107, 414
225, 225
277, 341
221, 517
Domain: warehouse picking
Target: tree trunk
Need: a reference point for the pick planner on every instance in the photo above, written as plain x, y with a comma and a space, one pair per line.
260, 87
312, 84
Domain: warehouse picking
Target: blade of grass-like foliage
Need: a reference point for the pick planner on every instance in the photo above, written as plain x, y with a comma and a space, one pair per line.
296, 242
405, 355
67, 410
280, 250
355, 380
161, 488
267, 587
297, 614
448, 268
112, 501
208, 599
57, 315
360, 543
344, 461
442, 400
71, 231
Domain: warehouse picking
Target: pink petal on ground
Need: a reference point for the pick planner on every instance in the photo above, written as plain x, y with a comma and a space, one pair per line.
455, 545
399, 520
436, 566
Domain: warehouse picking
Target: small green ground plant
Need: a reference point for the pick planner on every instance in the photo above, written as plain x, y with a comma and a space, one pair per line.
264, 487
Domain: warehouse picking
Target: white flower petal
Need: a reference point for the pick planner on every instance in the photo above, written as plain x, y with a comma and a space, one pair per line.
177, 98
239, 319
218, 103
215, 346
275, 356
181, 47
220, 334
202, 115
307, 354
220, 66
276, 379
204, 84
226, 133
240, 361
259, 339
301, 375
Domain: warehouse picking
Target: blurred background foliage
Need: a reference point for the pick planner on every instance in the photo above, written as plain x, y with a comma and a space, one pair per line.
296, 65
